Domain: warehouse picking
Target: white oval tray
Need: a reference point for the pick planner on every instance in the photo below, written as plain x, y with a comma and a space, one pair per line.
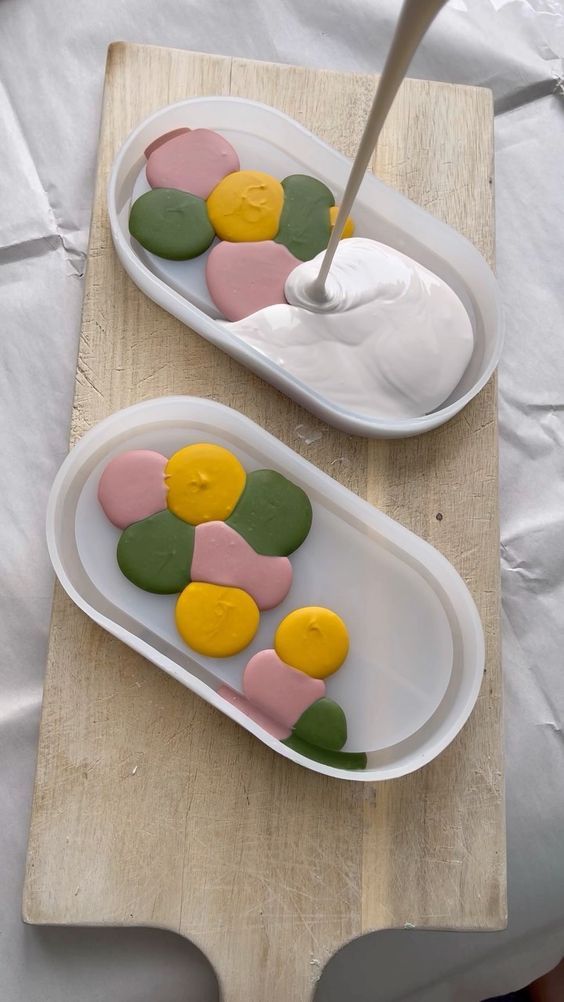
268, 140
417, 652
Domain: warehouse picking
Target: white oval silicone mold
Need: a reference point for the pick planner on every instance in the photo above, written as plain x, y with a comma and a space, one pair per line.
268, 140
416, 654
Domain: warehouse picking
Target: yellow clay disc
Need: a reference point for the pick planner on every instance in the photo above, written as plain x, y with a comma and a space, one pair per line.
246, 205
314, 640
204, 483
216, 621
349, 225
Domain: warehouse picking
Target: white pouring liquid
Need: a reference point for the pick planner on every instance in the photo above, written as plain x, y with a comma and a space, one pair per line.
370, 329
415, 18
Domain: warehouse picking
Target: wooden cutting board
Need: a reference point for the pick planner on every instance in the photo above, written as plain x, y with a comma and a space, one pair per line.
150, 807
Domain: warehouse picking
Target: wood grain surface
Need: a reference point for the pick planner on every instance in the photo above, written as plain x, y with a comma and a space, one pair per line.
150, 807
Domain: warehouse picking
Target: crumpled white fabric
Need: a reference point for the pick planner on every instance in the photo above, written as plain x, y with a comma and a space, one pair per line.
51, 74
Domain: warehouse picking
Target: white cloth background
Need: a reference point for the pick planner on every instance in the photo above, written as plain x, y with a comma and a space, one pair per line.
51, 73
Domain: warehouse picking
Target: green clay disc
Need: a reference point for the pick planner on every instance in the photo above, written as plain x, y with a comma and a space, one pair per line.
323, 724
156, 553
337, 759
171, 223
272, 514
305, 226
